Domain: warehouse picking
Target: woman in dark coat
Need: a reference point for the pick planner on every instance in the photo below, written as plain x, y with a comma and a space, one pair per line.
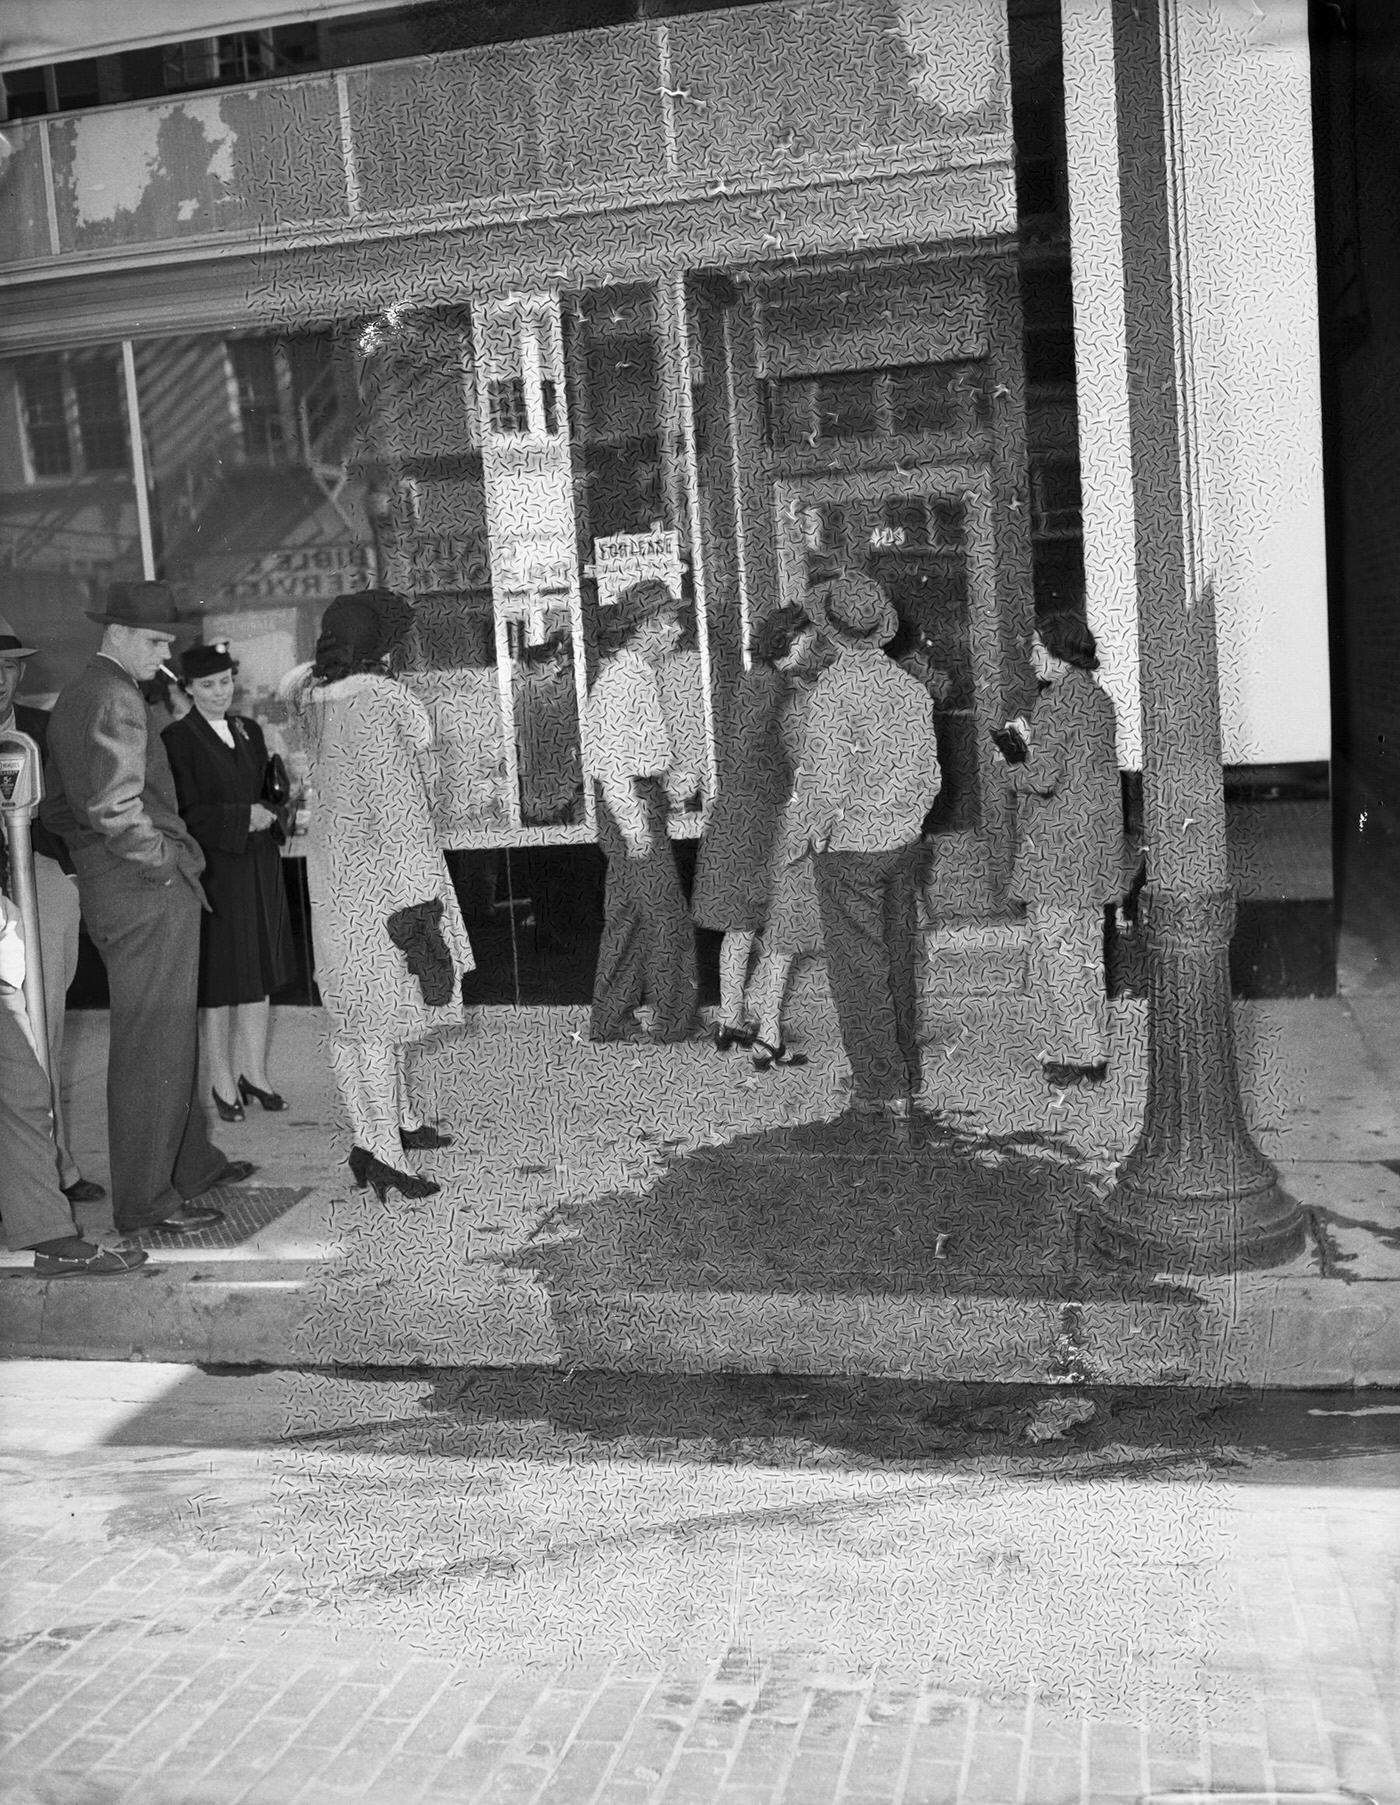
739, 876
220, 765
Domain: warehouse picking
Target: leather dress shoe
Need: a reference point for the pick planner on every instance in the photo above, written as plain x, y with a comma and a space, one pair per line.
233, 1172
187, 1220
83, 1190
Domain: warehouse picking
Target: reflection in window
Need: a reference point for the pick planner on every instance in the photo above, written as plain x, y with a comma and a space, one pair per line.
74, 414
614, 394
877, 404
547, 748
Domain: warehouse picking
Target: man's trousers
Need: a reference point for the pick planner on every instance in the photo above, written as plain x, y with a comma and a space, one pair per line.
59, 918
869, 912
33, 1207
647, 952
148, 937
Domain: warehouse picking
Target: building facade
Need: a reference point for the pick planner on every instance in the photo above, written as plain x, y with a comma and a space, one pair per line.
730, 296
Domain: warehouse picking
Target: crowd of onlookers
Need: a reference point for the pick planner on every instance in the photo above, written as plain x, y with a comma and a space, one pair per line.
165, 843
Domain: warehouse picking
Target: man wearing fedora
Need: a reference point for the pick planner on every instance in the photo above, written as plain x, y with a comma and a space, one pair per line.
56, 892
869, 777
647, 953
111, 797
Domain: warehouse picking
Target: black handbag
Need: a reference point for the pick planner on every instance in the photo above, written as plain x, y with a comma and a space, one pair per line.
277, 795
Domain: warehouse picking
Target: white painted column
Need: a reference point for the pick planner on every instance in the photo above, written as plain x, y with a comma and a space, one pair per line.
1243, 83
1247, 308
1096, 253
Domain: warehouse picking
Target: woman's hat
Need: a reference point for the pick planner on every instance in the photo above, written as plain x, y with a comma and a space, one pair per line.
856, 604
149, 607
365, 623
205, 661
10, 646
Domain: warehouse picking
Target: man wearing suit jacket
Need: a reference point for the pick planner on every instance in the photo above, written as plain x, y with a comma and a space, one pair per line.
111, 797
57, 895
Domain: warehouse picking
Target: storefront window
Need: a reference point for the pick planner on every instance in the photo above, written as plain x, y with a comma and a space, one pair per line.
613, 373
69, 521
512, 464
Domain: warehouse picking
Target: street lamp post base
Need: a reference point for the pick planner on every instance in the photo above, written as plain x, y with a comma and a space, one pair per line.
1195, 1194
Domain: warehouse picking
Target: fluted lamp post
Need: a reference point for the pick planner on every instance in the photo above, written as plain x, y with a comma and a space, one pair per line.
1195, 1194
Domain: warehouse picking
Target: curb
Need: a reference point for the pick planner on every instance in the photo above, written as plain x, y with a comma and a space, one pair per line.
1255, 1330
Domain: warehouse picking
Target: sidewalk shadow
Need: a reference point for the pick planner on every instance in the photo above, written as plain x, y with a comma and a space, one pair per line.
848, 1206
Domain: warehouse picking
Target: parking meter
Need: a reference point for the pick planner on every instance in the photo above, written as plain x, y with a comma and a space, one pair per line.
21, 790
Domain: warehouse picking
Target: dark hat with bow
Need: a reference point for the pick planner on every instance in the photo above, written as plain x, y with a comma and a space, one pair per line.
205, 661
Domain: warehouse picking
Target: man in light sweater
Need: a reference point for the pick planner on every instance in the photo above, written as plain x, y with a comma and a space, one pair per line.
870, 776
647, 953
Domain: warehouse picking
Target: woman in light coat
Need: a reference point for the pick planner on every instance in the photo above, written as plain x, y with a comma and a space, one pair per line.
372, 853
1070, 857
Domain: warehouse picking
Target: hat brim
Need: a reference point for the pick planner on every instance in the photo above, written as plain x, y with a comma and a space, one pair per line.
18, 651
881, 633
140, 626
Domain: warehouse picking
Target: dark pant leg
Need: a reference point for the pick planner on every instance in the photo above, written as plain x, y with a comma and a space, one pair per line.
31, 1204
149, 941
852, 890
672, 980
647, 953
902, 939
619, 983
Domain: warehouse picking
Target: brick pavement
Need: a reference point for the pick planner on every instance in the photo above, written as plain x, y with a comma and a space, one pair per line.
276, 1610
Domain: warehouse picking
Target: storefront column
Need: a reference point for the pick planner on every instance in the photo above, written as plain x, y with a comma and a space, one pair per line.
1101, 375
1195, 1193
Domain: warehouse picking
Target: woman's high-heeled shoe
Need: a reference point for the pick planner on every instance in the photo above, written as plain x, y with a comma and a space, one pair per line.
728, 1036
268, 1099
766, 1056
228, 1112
365, 1169
415, 1140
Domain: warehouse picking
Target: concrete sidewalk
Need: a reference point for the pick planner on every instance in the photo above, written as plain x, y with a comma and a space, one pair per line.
669, 1210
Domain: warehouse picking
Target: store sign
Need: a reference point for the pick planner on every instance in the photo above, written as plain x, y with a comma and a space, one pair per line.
433, 562
299, 574
628, 558
544, 562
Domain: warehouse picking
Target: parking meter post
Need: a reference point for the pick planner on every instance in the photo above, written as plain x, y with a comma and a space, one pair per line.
21, 789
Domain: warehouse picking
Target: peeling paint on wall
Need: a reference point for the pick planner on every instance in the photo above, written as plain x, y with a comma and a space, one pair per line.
115, 155
221, 135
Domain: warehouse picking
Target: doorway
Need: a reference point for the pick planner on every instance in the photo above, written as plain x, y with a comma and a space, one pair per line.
926, 535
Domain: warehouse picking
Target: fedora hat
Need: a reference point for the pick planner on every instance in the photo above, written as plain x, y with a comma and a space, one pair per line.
10, 646
149, 607
855, 604
638, 602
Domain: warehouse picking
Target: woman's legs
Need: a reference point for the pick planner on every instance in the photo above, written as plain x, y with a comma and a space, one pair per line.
408, 1116
218, 1054
366, 1073
734, 953
248, 1033
767, 991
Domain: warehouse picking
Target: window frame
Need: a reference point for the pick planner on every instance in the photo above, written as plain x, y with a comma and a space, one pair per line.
75, 425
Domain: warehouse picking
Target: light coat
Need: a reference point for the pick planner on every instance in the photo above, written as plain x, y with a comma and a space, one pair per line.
372, 849
1070, 813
